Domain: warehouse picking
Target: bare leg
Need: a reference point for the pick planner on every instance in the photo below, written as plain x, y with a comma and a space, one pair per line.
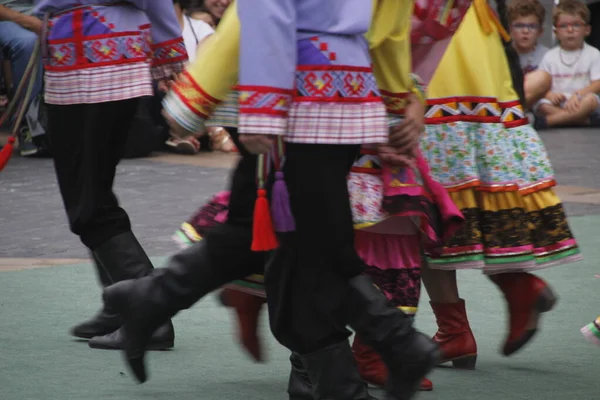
537, 84
441, 285
556, 116
454, 334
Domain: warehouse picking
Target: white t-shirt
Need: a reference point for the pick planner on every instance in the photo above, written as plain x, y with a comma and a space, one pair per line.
531, 61
572, 70
194, 31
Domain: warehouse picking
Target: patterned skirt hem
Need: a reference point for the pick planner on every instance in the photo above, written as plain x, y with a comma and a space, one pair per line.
591, 333
501, 268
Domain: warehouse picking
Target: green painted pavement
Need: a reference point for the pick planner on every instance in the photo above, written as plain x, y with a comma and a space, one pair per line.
39, 361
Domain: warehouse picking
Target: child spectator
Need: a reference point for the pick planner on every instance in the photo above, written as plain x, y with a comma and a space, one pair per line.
526, 19
575, 70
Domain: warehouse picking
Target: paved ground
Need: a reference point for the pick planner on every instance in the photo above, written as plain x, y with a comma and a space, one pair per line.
47, 284
162, 191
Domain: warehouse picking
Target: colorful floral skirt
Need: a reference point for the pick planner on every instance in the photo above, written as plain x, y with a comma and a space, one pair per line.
420, 215
480, 147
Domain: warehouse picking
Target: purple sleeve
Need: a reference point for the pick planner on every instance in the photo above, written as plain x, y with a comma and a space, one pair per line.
267, 64
168, 48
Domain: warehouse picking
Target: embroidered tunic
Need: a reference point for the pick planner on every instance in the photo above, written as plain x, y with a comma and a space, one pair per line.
306, 73
108, 50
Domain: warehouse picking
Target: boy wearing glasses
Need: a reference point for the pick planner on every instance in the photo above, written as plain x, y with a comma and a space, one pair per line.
526, 19
575, 69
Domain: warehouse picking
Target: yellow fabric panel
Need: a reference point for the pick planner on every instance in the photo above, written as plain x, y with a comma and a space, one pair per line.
486, 201
216, 66
474, 64
539, 200
389, 41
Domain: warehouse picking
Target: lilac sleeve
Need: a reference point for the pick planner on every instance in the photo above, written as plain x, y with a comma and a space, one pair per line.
267, 64
169, 52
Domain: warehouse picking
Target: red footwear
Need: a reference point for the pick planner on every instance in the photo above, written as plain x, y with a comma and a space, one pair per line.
527, 296
247, 307
371, 368
454, 335
426, 385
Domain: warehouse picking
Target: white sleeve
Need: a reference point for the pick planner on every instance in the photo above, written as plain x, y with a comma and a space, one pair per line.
595, 65
202, 29
546, 62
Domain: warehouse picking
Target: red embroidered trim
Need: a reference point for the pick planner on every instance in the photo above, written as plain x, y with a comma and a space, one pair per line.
462, 99
349, 68
265, 100
78, 36
169, 52
95, 37
193, 96
96, 65
394, 102
458, 105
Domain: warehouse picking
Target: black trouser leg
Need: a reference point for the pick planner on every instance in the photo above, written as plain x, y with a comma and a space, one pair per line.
223, 255
306, 276
315, 286
89, 141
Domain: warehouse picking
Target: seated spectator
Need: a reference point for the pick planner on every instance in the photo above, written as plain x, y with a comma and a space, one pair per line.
194, 32
209, 11
526, 20
18, 34
575, 70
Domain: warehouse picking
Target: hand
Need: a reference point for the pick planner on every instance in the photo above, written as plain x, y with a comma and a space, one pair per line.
573, 103
390, 155
406, 136
165, 85
556, 98
257, 144
31, 23
176, 129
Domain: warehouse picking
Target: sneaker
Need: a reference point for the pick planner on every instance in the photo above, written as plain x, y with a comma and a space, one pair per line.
26, 146
592, 331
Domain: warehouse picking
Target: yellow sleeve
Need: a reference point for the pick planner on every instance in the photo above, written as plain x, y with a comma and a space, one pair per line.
389, 42
208, 79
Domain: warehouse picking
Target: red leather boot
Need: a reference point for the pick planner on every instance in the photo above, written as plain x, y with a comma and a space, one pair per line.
247, 308
454, 335
372, 369
527, 296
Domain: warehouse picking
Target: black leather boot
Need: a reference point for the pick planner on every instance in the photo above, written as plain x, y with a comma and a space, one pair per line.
145, 304
105, 321
162, 339
119, 258
299, 386
408, 354
334, 374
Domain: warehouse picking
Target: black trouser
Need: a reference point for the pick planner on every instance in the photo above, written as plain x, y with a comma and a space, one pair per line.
88, 142
307, 277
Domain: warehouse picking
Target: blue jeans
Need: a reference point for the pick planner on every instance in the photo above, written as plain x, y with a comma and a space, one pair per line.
17, 43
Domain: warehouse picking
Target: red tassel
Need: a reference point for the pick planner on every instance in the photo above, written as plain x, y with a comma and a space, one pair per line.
263, 234
6, 152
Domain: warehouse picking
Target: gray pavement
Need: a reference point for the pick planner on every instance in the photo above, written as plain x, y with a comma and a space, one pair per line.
159, 196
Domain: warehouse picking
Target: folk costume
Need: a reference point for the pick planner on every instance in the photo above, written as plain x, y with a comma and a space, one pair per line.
480, 146
101, 57
304, 75
394, 259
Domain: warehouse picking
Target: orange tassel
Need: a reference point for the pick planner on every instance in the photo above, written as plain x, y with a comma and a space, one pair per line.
6, 152
263, 234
